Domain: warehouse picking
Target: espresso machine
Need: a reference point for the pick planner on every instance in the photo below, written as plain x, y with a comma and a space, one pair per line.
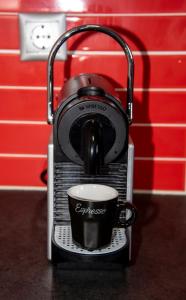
90, 143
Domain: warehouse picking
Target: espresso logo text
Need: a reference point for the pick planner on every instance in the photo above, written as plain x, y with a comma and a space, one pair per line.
87, 210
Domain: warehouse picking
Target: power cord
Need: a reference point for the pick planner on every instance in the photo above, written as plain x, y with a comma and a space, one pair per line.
43, 176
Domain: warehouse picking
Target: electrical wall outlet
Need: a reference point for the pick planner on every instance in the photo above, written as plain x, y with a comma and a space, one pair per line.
38, 34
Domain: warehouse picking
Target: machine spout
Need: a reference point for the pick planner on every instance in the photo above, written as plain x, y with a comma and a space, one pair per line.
91, 146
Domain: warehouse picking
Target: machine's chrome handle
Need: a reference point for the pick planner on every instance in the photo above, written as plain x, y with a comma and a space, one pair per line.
79, 29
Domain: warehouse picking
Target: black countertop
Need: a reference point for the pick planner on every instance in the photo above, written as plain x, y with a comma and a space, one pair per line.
158, 270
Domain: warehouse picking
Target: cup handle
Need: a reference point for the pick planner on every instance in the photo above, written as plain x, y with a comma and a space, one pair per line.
131, 219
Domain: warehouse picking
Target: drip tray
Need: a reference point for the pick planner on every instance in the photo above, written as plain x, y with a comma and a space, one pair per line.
63, 239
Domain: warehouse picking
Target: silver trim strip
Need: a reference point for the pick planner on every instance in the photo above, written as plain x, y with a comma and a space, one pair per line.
107, 52
157, 158
22, 188
84, 14
130, 166
135, 191
160, 192
165, 14
119, 53
50, 197
25, 122
21, 155
58, 88
155, 90
158, 125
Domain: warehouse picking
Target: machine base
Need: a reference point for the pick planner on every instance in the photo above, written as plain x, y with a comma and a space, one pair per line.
64, 251
63, 239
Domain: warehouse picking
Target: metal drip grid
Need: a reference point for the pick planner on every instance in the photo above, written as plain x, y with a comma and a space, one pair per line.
63, 238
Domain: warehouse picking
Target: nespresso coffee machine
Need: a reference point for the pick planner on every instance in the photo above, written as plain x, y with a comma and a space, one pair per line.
90, 144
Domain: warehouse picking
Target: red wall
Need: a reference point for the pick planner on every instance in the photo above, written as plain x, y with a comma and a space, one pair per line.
155, 31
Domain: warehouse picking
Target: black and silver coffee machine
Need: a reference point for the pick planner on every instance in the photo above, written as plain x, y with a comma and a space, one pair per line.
90, 144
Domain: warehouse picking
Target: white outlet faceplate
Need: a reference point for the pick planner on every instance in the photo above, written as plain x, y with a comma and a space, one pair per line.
38, 34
